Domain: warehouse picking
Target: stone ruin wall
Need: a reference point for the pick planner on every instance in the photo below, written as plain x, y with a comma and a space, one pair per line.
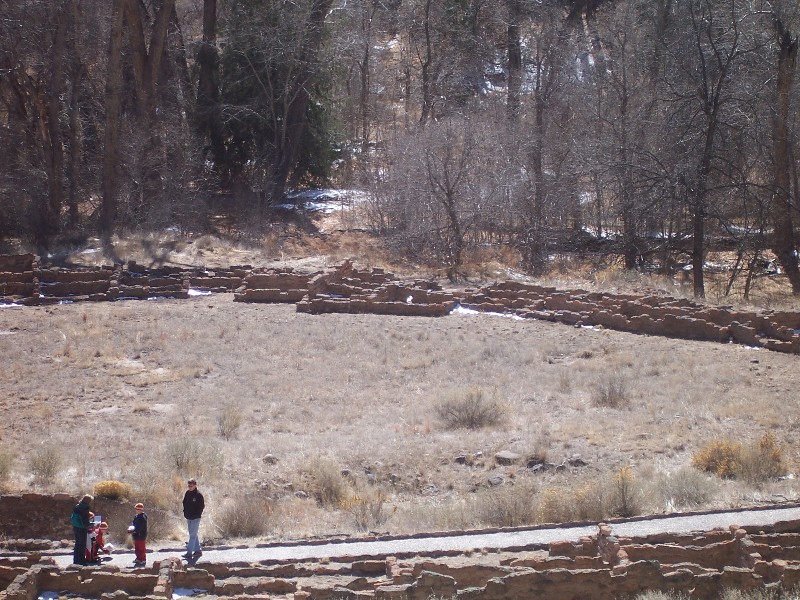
699, 564
345, 289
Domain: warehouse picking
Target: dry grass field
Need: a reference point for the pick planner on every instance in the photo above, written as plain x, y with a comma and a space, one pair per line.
299, 425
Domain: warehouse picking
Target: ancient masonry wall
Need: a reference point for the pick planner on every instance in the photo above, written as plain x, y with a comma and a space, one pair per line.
699, 564
345, 289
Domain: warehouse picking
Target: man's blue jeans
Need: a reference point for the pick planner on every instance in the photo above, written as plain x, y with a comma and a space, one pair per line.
194, 540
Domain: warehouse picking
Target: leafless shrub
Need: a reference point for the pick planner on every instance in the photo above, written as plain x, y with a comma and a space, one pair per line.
246, 515
327, 484
560, 504
6, 466
612, 392
472, 411
507, 506
626, 496
658, 595
367, 508
684, 488
45, 463
761, 461
228, 423
191, 456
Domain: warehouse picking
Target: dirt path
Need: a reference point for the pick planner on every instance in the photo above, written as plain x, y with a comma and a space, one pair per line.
508, 540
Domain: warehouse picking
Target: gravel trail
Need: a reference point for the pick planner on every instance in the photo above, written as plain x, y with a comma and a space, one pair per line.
510, 540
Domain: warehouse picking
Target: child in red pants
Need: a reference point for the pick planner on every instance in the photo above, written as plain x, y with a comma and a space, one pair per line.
138, 530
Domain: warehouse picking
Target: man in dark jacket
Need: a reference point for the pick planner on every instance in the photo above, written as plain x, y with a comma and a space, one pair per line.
193, 505
80, 526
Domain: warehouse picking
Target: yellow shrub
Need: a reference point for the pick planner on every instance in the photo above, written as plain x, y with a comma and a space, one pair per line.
720, 457
112, 489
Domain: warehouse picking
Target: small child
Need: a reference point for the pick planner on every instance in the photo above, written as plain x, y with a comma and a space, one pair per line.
100, 542
138, 531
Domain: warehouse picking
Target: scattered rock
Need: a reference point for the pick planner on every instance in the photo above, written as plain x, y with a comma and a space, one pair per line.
496, 480
506, 457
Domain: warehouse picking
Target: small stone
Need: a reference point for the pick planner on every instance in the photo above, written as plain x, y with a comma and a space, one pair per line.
496, 480
506, 457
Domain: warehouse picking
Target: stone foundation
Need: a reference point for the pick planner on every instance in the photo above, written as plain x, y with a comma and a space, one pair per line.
700, 565
346, 289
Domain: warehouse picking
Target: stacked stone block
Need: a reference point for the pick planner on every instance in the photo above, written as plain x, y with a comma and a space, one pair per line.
18, 283
698, 564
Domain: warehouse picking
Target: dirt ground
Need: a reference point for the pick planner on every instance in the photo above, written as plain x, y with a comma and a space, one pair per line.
257, 399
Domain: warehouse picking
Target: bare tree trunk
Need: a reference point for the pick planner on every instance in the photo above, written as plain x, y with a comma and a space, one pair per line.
77, 73
783, 237
208, 110
513, 103
110, 183
427, 87
51, 213
298, 98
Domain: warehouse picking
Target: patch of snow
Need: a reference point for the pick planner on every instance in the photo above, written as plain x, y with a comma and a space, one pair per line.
186, 592
12, 305
194, 292
48, 596
460, 310
410, 299
90, 251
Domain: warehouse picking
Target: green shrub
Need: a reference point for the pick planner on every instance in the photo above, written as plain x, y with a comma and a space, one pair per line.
111, 489
247, 515
472, 411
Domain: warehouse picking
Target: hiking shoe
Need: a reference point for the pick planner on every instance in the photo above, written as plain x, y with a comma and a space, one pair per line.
197, 554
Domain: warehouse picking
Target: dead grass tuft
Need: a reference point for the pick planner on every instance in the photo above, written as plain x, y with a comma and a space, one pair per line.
7, 460
367, 508
327, 485
681, 489
190, 456
45, 463
473, 410
228, 423
507, 506
245, 515
612, 392
761, 461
